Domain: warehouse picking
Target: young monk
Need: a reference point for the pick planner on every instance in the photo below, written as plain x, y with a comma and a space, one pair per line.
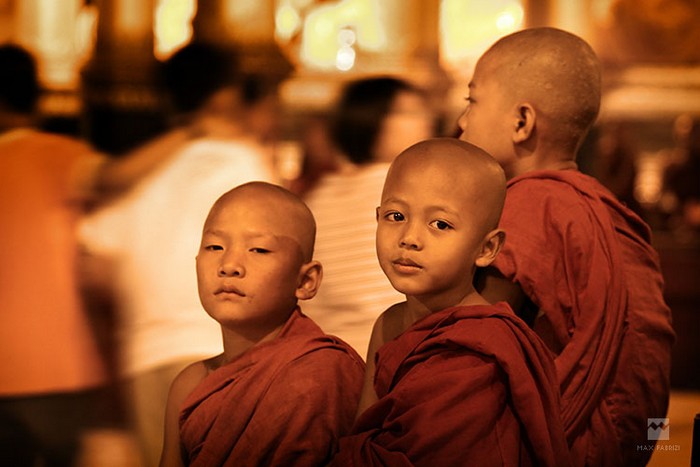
575, 254
457, 381
282, 392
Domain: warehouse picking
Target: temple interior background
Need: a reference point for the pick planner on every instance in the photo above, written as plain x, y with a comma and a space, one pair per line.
97, 61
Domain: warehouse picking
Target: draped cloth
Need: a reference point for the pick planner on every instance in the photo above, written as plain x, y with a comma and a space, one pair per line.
283, 402
469, 385
587, 262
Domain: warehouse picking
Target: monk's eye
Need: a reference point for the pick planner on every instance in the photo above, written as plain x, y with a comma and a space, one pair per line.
440, 225
213, 248
395, 216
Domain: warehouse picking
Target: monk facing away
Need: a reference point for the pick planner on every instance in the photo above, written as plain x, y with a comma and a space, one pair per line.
282, 392
451, 379
575, 255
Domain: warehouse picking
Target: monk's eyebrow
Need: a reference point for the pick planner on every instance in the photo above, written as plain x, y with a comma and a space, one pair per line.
393, 199
216, 232
443, 209
250, 235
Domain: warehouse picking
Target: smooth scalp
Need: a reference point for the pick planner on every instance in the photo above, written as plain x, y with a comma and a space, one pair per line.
476, 176
557, 72
289, 214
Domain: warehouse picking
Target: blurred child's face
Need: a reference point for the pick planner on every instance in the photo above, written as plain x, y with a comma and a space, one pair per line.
409, 121
248, 266
488, 120
429, 235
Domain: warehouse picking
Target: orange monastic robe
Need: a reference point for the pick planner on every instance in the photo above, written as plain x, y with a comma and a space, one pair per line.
464, 386
283, 402
586, 261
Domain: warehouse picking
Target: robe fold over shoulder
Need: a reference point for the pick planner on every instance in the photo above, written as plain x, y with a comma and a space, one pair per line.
470, 385
283, 402
587, 262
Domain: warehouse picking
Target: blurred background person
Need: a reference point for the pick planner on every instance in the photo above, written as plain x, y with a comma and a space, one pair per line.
375, 119
52, 370
319, 154
615, 162
681, 182
151, 235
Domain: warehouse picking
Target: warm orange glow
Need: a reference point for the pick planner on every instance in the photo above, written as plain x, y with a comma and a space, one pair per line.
468, 27
649, 182
332, 31
131, 23
172, 26
60, 35
287, 21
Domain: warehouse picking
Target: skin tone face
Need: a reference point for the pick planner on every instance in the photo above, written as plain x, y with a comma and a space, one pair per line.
433, 232
254, 261
531, 111
409, 121
490, 117
253, 264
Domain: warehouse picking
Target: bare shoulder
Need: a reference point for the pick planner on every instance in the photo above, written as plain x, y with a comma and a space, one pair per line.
188, 379
393, 322
387, 326
182, 386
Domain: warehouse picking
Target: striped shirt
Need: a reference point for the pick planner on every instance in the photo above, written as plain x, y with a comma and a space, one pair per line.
354, 290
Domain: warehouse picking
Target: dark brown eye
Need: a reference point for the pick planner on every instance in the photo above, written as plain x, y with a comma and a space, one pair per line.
441, 225
394, 216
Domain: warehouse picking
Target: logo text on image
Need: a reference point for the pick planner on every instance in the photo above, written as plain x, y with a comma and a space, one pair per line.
658, 428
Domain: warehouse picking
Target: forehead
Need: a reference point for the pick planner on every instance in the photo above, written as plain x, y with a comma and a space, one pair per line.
243, 212
427, 182
488, 70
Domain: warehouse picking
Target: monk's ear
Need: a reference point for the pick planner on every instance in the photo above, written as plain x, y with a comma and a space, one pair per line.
310, 276
491, 245
524, 122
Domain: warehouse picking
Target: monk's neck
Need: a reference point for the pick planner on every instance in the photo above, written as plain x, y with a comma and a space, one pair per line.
238, 341
418, 307
551, 162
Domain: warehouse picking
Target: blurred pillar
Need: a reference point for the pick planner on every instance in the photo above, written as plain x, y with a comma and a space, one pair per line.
248, 26
538, 13
7, 23
56, 35
571, 16
414, 26
48, 29
406, 43
121, 97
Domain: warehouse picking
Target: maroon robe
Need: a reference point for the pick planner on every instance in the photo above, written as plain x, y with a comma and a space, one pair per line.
586, 261
464, 386
283, 402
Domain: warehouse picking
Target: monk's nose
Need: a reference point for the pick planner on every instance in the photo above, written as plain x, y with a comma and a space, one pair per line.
410, 239
231, 266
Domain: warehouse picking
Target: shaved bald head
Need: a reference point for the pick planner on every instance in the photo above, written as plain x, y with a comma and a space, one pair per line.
465, 170
555, 71
285, 210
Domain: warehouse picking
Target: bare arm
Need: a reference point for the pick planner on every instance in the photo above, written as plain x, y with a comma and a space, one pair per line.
119, 174
495, 288
368, 395
388, 326
182, 386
